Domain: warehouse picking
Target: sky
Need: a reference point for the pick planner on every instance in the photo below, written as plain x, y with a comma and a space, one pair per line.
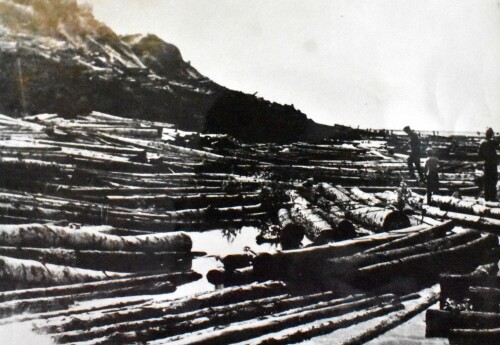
430, 64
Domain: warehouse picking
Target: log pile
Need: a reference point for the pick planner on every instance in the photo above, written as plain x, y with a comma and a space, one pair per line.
469, 307
97, 206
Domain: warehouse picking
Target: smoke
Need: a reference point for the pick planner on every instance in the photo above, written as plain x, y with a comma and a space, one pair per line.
21, 333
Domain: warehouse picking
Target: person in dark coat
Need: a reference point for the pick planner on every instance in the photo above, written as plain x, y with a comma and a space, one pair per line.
488, 152
414, 158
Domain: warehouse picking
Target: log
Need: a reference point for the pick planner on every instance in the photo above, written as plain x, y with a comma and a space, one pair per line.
429, 298
105, 260
471, 221
45, 304
234, 261
440, 322
161, 308
378, 218
295, 263
17, 273
291, 233
349, 264
431, 233
231, 277
103, 285
474, 336
431, 264
301, 213
245, 331
465, 206
365, 198
38, 235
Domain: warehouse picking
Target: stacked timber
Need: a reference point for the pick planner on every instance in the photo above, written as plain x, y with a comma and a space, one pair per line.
469, 309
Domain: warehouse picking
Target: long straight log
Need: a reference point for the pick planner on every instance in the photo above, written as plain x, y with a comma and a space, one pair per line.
38, 235
347, 265
474, 336
431, 233
465, 206
429, 298
475, 222
104, 260
378, 218
440, 322
44, 304
103, 285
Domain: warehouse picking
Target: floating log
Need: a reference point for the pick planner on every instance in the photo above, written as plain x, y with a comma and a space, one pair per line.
17, 273
440, 322
466, 206
365, 198
231, 277
302, 214
38, 235
234, 261
474, 336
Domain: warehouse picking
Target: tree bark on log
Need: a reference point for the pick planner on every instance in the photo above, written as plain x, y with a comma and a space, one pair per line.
475, 222
379, 218
38, 235
17, 273
431, 233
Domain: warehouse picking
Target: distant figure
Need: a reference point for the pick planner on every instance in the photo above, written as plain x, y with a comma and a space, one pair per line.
488, 152
414, 158
431, 174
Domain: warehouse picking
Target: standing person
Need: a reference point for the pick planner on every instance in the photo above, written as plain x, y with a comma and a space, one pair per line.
414, 158
488, 152
431, 173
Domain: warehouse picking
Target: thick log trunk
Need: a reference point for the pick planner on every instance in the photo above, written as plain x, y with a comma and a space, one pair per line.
104, 260
431, 233
38, 235
474, 336
291, 233
440, 322
231, 277
365, 198
378, 218
16, 273
302, 214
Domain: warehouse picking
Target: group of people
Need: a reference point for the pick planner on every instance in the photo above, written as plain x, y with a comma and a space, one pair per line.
487, 152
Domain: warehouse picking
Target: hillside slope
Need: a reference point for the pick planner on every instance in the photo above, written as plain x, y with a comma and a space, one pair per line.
58, 58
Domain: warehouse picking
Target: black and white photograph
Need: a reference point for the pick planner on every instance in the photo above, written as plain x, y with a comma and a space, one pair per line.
249, 172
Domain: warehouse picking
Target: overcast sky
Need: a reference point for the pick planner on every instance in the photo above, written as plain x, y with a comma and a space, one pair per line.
432, 64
